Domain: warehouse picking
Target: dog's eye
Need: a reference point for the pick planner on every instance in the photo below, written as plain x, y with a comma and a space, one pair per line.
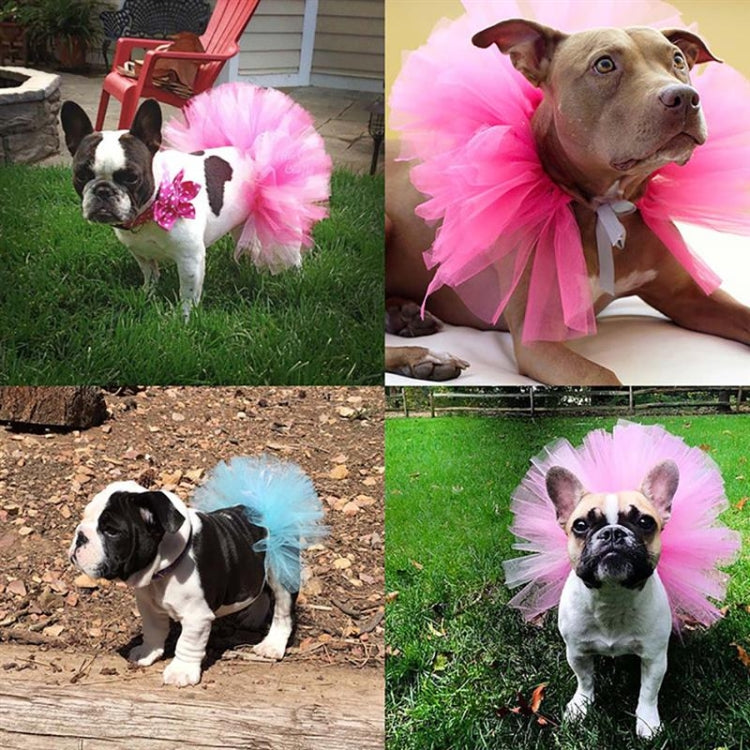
604, 65
84, 175
580, 526
647, 523
110, 531
127, 177
679, 60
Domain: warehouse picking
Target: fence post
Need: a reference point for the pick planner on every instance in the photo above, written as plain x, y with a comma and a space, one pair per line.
432, 402
631, 404
403, 401
531, 399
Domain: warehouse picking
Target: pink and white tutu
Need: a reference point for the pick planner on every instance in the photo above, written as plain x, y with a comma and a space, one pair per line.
694, 543
464, 114
291, 170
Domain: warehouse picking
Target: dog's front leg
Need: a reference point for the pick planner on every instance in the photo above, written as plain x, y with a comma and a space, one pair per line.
150, 270
583, 667
191, 268
647, 713
674, 293
185, 668
155, 631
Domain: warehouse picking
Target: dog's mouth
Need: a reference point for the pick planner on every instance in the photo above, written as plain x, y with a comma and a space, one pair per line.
104, 215
678, 149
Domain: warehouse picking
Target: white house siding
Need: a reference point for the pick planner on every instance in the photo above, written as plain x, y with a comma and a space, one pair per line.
272, 42
348, 47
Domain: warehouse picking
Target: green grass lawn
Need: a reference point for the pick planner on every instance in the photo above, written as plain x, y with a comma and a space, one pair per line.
458, 657
72, 309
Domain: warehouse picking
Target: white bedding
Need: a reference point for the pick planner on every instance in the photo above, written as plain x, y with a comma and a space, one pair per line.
633, 339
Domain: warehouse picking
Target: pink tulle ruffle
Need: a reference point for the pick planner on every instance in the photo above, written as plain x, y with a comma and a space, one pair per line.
464, 114
694, 543
291, 170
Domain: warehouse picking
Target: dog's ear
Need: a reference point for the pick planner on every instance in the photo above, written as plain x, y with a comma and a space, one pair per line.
147, 125
156, 506
76, 125
530, 45
696, 51
660, 485
565, 491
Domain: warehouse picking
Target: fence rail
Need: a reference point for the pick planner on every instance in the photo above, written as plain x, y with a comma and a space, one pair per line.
537, 400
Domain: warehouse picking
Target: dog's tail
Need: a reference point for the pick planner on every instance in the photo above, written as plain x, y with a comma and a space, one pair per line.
277, 496
290, 169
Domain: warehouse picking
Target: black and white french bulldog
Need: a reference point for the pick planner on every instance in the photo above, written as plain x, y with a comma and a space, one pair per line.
184, 565
120, 176
613, 601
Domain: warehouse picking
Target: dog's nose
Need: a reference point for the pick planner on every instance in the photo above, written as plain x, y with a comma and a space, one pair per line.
612, 534
680, 97
81, 539
104, 191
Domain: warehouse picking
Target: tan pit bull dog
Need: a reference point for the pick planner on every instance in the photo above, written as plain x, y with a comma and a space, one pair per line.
597, 142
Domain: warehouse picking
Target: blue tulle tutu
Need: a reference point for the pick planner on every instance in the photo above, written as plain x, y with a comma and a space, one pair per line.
277, 496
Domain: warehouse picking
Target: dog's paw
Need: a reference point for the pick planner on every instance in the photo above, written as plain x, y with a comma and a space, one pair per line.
437, 366
404, 318
270, 649
648, 724
145, 656
577, 707
181, 673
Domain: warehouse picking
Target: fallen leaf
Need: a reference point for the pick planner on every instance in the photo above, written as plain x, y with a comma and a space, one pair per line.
417, 565
537, 696
339, 472
25, 531
339, 459
16, 587
53, 631
177, 417
84, 581
364, 501
741, 503
441, 663
742, 655
391, 596
350, 508
341, 563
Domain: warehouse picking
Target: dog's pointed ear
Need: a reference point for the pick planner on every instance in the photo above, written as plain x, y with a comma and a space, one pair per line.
696, 51
147, 125
156, 506
660, 486
530, 45
565, 491
76, 125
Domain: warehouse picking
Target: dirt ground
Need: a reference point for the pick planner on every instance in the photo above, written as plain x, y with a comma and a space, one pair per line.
169, 438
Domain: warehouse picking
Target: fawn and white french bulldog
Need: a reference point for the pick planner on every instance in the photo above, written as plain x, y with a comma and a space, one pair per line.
613, 601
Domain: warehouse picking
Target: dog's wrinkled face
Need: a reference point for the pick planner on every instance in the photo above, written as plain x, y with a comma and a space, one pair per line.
112, 170
614, 537
121, 530
620, 97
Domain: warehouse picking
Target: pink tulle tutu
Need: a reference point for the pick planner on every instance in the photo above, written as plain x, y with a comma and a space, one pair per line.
291, 170
464, 114
693, 541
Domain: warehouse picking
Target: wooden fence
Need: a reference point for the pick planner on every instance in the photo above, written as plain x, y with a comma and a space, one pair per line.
538, 400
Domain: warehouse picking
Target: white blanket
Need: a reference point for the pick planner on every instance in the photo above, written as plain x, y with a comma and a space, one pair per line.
635, 341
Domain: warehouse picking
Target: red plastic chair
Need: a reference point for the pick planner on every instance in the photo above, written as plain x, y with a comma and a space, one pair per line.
228, 21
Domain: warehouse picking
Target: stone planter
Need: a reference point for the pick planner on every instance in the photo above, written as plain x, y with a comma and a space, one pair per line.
29, 103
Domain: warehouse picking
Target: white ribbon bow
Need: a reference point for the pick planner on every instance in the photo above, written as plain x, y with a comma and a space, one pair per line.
610, 233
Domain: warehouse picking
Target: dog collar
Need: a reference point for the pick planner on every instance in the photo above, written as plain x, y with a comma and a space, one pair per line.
165, 571
173, 200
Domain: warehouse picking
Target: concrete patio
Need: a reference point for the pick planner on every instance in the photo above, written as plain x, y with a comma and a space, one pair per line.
341, 117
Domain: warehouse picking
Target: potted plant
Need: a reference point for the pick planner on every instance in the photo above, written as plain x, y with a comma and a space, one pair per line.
15, 18
69, 28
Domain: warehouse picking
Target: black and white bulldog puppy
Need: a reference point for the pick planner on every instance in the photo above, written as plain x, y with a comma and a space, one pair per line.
117, 175
613, 601
184, 565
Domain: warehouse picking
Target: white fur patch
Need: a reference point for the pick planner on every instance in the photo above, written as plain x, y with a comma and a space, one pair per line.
611, 508
109, 156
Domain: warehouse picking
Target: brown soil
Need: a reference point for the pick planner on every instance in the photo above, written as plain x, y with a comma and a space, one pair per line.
169, 438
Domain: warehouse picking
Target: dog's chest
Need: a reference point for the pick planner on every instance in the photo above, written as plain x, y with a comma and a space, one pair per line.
220, 205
